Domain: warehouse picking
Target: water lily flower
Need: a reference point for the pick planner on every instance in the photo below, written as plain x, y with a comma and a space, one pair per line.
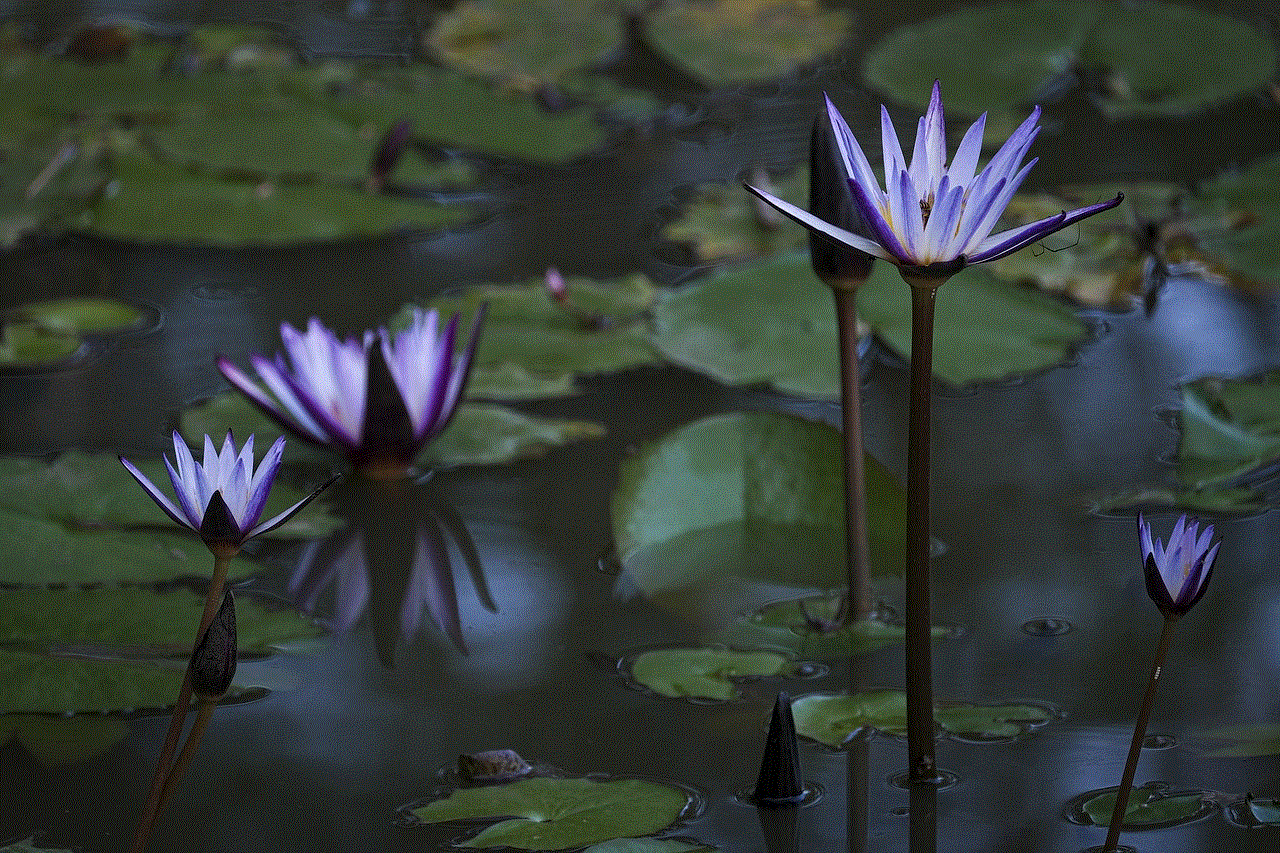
378, 404
221, 498
1177, 576
930, 214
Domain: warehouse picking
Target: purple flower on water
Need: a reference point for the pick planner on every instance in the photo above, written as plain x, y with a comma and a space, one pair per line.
378, 400
1178, 576
223, 497
930, 212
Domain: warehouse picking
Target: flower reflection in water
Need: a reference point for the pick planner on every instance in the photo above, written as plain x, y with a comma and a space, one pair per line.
395, 563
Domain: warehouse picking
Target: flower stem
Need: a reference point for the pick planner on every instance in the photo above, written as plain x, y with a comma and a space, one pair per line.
203, 712
1139, 734
179, 715
922, 765
857, 603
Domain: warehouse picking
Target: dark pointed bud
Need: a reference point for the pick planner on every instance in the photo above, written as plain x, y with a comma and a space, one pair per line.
213, 663
779, 782
831, 199
388, 152
219, 529
388, 431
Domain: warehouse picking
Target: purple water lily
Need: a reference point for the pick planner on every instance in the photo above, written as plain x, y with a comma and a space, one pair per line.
378, 404
931, 212
1178, 576
223, 497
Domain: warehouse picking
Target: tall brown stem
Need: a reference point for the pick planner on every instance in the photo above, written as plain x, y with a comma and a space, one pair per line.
858, 604
179, 716
1139, 734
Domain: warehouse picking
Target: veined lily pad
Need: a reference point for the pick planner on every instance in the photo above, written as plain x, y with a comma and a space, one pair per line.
113, 648
1246, 741
76, 316
558, 814
1150, 807
833, 720
704, 673
783, 626
724, 42
1203, 57
61, 740
649, 845
748, 495
1245, 206
1229, 426
479, 434
720, 222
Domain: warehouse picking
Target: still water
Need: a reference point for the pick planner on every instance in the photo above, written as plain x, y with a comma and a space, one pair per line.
371, 718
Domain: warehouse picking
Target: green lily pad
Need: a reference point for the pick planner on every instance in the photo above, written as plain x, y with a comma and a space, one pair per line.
1246, 741
27, 344
834, 720
649, 845
1265, 812
92, 491
1149, 807
45, 180
479, 434
1203, 58
29, 846
209, 210
747, 495
557, 814
720, 223
113, 648
524, 43
1245, 207
532, 345
1223, 501
75, 316
782, 626
62, 740
704, 673
726, 42
239, 48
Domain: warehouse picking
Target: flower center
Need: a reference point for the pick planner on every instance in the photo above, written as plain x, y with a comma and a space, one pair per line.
926, 205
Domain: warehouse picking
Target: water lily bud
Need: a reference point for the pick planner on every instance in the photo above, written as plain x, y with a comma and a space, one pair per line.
213, 663
779, 783
830, 199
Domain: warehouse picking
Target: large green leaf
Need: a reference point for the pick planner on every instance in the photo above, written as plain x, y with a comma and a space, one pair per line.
724, 42
1246, 741
1149, 807
783, 626
704, 673
1006, 55
558, 814
61, 740
649, 845
114, 648
1242, 210
26, 345
1265, 812
77, 316
720, 221
833, 720
1229, 426
748, 495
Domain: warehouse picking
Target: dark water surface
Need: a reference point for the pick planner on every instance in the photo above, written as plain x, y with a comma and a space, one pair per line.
324, 766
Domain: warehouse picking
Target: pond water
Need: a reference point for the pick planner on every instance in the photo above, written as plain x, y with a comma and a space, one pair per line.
366, 721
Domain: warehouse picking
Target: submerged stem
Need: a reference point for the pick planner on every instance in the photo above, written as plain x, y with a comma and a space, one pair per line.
1139, 734
203, 712
151, 809
923, 766
857, 605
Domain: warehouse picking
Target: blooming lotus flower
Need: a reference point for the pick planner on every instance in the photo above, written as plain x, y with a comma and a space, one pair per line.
931, 212
378, 404
1178, 576
223, 497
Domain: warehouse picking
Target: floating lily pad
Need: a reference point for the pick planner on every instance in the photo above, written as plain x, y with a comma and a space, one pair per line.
45, 181
532, 345
523, 43
77, 316
725, 42
704, 673
1203, 57
719, 222
29, 846
649, 845
29, 345
113, 648
747, 495
1224, 501
557, 814
479, 434
61, 740
1245, 206
833, 720
1265, 812
1150, 807
783, 626
1246, 741
238, 47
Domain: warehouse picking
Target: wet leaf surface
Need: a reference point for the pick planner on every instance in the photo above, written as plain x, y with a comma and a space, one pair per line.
748, 495
29, 345
704, 673
833, 720
724, 42
1149, 807
783, 626
1266, 812
75, 316
1246, 741
649, 845
29, 846
53, 741
1042, 42
719, 222
1242, 215
557, 814
114, 648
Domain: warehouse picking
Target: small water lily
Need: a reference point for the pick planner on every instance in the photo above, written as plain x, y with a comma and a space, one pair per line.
931, 213
221, 498
378, 404
1178, 576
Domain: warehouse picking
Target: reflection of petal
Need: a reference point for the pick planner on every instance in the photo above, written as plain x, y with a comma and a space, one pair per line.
340, 557
351, 595
431, 586
457, 530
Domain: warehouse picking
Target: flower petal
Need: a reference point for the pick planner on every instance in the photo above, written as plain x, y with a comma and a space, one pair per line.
156, 495
964, 164
1003, 243
275, 521
818, 226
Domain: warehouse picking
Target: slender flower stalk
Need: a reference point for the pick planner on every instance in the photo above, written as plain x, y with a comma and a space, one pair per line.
221, 499
931, 219
1177, 577
378, 400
